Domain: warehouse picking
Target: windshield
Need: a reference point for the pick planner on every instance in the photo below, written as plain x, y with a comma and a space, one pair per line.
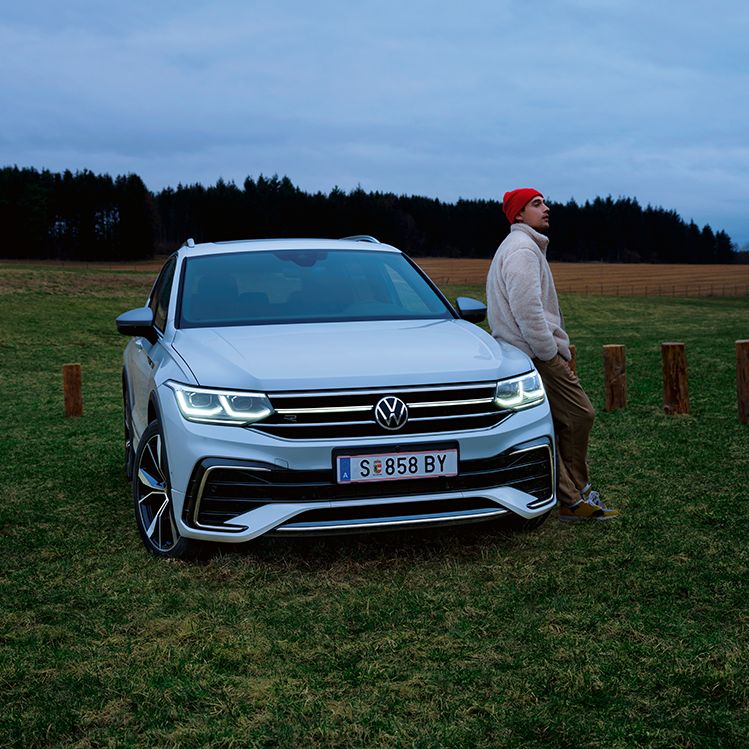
291, 286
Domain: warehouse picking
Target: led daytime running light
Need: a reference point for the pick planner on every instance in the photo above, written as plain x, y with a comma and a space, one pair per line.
519, 392
219, 405
189, 410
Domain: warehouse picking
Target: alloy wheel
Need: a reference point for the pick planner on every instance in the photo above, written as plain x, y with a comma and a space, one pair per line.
154, 505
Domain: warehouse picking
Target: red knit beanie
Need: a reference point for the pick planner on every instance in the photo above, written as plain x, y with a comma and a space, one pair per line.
515, 200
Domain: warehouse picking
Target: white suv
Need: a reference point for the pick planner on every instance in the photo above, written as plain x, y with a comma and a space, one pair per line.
312, 386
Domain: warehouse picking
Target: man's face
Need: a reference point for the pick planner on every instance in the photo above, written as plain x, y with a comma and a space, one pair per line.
535, 214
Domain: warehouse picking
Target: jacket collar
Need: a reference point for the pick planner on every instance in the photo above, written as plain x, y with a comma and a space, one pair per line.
540, 239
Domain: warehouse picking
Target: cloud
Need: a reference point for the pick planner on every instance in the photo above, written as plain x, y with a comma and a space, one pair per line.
585, 97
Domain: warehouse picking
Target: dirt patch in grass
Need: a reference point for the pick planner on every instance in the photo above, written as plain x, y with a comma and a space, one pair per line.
74, 283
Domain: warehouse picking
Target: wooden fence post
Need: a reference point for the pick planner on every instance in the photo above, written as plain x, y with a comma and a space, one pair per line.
71, 385
572, 363
742, 379
675, 385
614, 377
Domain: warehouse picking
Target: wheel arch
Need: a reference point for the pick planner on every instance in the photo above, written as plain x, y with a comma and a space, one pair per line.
154, 411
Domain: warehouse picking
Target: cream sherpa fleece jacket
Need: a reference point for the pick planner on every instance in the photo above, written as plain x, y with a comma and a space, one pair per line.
523, 308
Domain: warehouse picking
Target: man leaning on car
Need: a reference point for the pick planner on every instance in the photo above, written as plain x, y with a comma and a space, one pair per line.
523, 309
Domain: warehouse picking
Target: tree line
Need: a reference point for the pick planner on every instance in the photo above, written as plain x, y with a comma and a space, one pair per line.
84, 216
81, 216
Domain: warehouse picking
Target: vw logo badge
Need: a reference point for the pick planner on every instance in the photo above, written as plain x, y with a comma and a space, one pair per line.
391, 413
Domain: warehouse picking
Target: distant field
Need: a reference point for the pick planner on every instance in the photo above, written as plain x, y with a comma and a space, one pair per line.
614, 279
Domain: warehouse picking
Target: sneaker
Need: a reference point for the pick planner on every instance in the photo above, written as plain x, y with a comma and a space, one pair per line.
588, 507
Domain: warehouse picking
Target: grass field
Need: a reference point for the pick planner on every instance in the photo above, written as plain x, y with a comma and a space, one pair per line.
632, 634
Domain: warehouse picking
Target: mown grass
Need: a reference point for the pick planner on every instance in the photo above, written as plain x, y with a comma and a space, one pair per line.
624, 635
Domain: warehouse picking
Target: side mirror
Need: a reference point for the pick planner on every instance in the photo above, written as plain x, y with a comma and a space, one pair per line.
471, 309
137, 322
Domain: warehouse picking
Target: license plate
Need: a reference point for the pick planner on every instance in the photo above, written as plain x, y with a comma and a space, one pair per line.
420, 464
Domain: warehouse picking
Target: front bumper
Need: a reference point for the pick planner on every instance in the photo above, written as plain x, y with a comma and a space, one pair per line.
234, 484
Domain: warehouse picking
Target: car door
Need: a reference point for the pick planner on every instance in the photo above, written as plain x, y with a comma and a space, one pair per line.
144, 357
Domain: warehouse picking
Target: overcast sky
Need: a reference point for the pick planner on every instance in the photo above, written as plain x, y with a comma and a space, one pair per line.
578, 98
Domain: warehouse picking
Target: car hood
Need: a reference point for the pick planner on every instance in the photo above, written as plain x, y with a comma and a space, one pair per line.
315, 356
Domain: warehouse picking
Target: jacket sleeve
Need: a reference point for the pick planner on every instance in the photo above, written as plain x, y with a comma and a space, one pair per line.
522, 274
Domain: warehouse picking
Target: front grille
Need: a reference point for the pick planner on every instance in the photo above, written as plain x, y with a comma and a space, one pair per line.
341, 414
221, 490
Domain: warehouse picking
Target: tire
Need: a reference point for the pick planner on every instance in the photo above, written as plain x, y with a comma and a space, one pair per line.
154, 512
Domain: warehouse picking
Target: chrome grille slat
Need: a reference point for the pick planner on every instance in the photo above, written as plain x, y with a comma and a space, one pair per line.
351, 409
386, 391
333, 414
313, 424
322, 410
453, 416
450, 404
346, 423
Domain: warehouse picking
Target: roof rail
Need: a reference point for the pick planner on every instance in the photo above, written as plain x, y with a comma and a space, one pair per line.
362, 238
189, 242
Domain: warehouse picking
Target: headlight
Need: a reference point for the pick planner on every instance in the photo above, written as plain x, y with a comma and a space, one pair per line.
220, 406
519, 392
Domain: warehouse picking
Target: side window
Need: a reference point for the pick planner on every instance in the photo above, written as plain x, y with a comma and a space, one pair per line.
161, 293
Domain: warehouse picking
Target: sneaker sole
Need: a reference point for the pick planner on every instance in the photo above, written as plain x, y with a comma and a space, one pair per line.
566, 519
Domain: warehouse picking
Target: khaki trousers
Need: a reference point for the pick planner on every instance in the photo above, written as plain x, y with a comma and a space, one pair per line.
573, 416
